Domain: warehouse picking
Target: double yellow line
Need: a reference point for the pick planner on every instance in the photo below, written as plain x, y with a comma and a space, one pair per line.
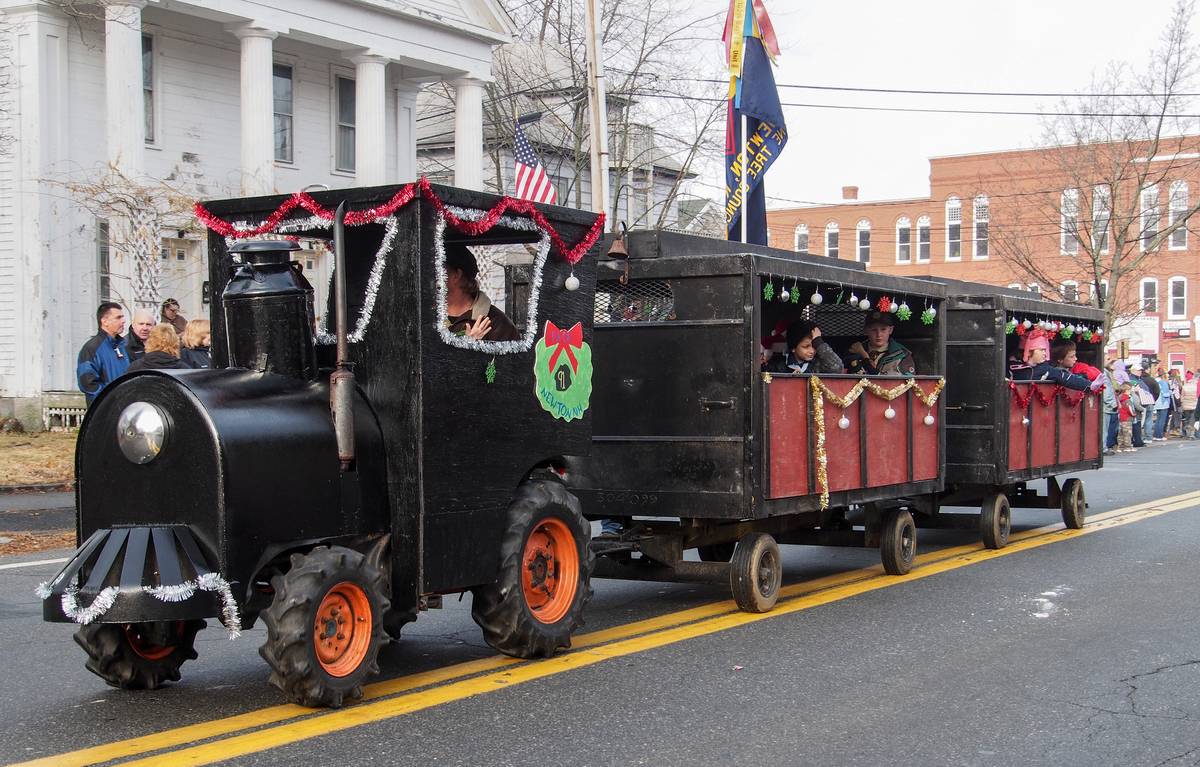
276, 726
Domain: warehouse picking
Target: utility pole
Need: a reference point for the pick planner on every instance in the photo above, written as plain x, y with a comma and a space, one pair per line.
598, 106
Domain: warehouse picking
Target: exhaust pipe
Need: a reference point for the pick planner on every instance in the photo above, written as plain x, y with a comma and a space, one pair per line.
341, 381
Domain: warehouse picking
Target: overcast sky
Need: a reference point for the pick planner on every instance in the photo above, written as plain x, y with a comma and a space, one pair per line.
1019, 45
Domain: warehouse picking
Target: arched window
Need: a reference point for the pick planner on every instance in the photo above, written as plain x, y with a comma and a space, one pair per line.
831, 239
863, 230
903, 240
802, 239
924, 239
980, 218
953, 229
1178, 209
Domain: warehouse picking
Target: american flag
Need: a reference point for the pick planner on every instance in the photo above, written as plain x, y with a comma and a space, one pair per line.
532, 182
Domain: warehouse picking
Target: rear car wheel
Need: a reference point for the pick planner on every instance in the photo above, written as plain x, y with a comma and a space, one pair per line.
139, 656
995, 521
1074, 503
325, 626
537, 600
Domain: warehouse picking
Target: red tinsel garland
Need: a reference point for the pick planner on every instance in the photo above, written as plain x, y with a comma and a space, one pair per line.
1045, 400
572, 255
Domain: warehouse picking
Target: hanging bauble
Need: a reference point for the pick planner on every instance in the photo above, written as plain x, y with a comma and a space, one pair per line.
1027, 324
1065, 332
1087, 335
928, 315
865, 304
894, 308
854, 299
572, 282
784, 295
843, 423
903, 313
816, 298
1025, 421
929, 419
889, 413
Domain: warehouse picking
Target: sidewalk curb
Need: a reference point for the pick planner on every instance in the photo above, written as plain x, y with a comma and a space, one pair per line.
54, 487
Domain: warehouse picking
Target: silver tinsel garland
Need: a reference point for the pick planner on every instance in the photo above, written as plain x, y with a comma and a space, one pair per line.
539, 264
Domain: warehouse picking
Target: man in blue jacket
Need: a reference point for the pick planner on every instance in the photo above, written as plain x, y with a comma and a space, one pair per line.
103, 357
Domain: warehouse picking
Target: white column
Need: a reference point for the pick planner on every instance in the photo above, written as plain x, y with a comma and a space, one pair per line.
370, 119
124, 109
257, 100
406, 131
468, 133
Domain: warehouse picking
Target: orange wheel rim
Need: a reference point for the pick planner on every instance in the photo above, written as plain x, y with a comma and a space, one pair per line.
550, 570
144, 647
342, 629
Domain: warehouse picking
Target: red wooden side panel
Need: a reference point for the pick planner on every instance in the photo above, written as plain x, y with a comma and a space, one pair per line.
1070, 423
1018, 432
1042, 428
925, 440
788, 436
844, 465
887, 440
1093, 424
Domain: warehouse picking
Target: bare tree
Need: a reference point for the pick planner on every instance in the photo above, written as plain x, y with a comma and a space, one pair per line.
660, 127
1119, 159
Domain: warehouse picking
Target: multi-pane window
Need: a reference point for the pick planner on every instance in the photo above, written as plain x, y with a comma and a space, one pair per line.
281, 85
802, 239
1177, 212
1150, 216
982, 215
148, 85
831, 239
1149, 294
903, 240
104, 288
924, 239
1069, 291
1177, 308
344, 98
953, 229
1101, 218
1069, 226
864, 241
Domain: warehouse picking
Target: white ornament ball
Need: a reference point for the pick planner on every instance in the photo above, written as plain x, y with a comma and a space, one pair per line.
894, 308
929, 420
843, 423
932, 312
854, 299
905, 306
571, 283
1024, 421
889, 413
816, 298
784, 295
864, 304
1027, 324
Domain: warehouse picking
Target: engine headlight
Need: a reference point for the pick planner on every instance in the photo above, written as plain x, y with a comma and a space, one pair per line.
141, 432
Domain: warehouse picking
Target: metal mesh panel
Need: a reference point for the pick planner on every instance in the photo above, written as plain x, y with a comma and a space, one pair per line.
635, 301
837, 319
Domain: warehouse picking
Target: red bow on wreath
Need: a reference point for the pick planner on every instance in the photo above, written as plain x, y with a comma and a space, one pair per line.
563, 341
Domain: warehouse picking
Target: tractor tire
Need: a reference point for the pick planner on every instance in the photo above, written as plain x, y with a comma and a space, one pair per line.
1074, 503
128, 656
325, 626
995, 521
898, 542
544, 581
756, 573
717, 552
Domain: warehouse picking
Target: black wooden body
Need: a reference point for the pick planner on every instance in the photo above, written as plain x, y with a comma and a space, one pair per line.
977, 391
680, 422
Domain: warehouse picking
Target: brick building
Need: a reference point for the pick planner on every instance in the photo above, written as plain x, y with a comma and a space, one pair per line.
1030, 219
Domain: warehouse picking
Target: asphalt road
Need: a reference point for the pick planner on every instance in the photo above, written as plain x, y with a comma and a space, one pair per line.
1065, 649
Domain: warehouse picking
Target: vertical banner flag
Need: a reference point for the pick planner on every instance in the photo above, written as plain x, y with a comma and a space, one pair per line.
751, 47
532, 183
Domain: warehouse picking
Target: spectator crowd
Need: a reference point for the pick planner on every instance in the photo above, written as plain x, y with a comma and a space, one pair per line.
1141, 409
173, 343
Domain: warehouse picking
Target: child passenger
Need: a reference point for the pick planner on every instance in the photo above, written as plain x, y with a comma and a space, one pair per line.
808, 353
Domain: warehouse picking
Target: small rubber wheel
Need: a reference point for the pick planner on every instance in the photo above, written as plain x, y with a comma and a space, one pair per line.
898, 542
138, 656
1074, 503
995, 521
325, 626
544, 581
717, 552
756, 573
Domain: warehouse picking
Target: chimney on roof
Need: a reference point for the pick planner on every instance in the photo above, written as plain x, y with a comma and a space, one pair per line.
849, 193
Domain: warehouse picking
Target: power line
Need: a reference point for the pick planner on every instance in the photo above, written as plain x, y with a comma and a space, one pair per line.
913, 91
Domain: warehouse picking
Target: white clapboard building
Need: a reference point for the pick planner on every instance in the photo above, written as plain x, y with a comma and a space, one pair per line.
193, 99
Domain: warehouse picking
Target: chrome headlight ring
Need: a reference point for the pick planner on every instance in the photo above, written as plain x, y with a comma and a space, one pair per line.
141, 432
